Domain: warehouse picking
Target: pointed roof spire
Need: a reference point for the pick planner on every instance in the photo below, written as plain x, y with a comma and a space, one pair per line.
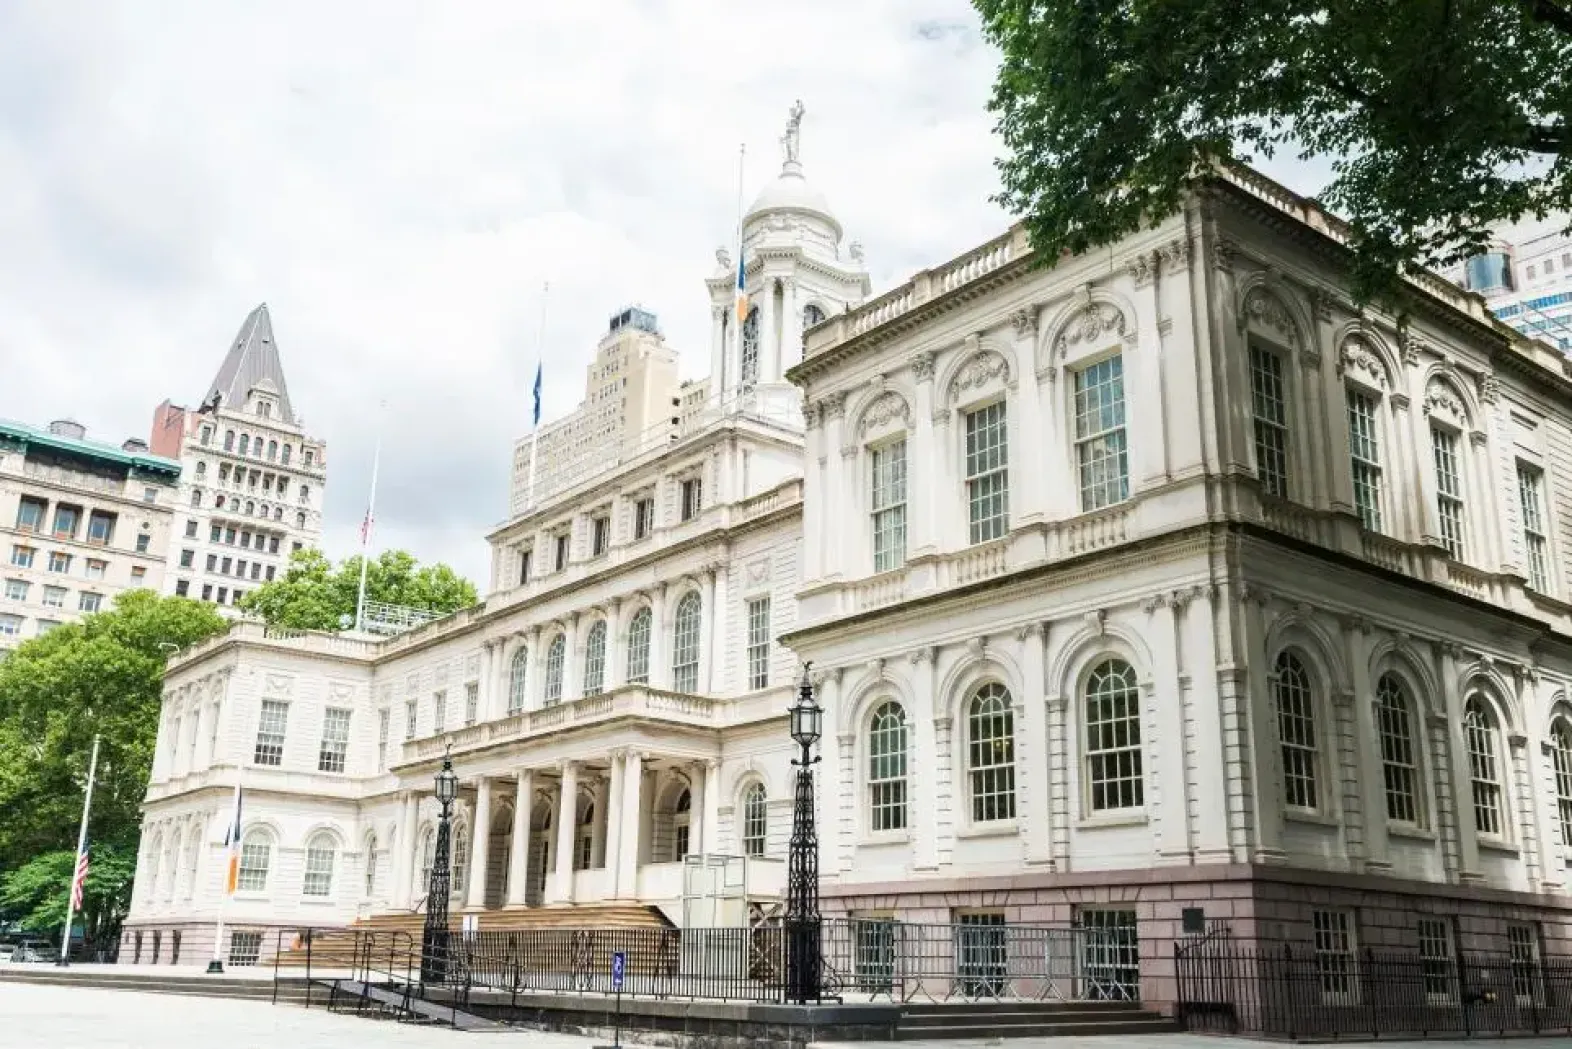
252, 361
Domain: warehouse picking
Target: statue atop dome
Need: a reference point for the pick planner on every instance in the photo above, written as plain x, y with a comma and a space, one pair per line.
791, 141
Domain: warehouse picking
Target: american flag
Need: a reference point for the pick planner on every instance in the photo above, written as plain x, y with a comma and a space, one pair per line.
365, 527
79, 879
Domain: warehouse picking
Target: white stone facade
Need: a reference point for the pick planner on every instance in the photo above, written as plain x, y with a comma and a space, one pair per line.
1161, 580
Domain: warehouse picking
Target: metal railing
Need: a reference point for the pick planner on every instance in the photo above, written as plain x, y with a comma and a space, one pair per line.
1294, 991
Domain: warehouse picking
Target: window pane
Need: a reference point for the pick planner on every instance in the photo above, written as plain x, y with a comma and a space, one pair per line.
987, 475
639, 646
1449, 490
1113, 737
991, 754
1271, 421
1365, 451
1296, 732
1101, 455
887, 769
685, 647
889, 506
1479, 736
759, 642
1399, 766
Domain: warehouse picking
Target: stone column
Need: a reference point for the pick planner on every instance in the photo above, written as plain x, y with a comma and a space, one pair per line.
630, 818
769, 343
698, 845
613, 833
402, 850
711, 811
616, 647
922, 767
412, 848
535, 676
791, 330
708, 651
572, 663
598, 825
518, 861
1457, 758
1165, 716
479, 846
836, 489
660, 663
813, 481
922, 459
1265, 756
490, 708
567, 829
1367, 745
718, 347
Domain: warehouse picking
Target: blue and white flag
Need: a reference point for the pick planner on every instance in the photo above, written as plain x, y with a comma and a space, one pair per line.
536, 421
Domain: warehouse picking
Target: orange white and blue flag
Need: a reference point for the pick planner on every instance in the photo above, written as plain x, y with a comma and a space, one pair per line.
742, 291
232, 843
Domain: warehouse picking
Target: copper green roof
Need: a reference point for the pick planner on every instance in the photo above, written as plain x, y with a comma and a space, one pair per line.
26, 435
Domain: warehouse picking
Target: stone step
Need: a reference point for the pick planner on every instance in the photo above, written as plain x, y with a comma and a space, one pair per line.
1005, 1007
1017, 1019
982, 1031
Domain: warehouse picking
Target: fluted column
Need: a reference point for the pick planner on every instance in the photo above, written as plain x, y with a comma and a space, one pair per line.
922, 768
535, 677
613, 814
567, 827
518, 860
479, 846
660, 640
630, 817
489, 707
707, 649
572, 662
1457, 758
616, 647
921, 462
399, 897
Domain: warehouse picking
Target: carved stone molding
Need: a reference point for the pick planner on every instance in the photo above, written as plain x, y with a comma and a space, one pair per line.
1262, 307
1411, 345
1093, 322
1321, 305
1027, 631
1358, 357
919, 656
1153, 602
984, 367
922, 365
1142, 268
1440, 398
1175, 255
834, 405
1025, 322
1400, 402
1489, 389
1478, 438
1224, 252
886, 408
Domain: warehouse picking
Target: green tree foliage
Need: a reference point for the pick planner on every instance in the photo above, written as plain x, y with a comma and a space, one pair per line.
101, 676
1440, 117
34, 894
313, 595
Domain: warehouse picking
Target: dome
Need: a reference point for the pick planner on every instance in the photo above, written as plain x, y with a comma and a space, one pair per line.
791, 192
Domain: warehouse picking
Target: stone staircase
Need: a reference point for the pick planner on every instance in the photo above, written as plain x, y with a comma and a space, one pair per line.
992, 1020
150, 980
335, 948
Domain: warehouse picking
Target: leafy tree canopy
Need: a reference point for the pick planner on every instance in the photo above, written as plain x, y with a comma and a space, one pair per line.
313, 595
34, 894
100, 676
1440, 118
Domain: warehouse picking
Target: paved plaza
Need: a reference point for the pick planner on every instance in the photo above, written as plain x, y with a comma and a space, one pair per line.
36, 1016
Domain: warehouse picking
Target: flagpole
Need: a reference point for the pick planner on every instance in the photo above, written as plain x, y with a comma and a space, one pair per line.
540, 363
738, 315
365, 535
81, 843
232, 839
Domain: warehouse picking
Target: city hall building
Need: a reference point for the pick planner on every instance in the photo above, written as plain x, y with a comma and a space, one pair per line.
1167, 585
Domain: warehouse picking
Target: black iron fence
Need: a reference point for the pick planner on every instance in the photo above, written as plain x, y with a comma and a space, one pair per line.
862, 959
1295, 991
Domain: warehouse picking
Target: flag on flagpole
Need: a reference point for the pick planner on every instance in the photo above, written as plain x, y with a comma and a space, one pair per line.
535, 421
742, 291
365, 528
79, 879
232, 842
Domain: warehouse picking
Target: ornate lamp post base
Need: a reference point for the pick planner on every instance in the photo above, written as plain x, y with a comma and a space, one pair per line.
435, 938
804, 963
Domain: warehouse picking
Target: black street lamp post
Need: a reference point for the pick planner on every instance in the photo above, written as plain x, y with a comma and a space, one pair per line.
804, 982
434, 943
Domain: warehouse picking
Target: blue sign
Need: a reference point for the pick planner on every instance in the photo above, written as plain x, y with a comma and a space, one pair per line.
619, 962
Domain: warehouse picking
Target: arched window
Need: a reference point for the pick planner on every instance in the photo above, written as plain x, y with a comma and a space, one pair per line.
300, 520
990, 758
1561, 765
1296, 732
256, 856
1399, 756
251, 508
272, 450
518, 673
370, 886
685, 646
321, 854
218, 501
554, 659
278, 513
1484, 770
595, 659
755, 820
229, 440
811, 315
750, 348
245, 443
283, 456
681, 816
639, 646
887, 768
1113, 737
262, 511
460, 856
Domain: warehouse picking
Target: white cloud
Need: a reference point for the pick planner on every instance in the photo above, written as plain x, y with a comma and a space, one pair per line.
397, 180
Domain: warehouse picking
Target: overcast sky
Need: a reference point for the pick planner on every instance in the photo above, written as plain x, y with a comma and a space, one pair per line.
397, 179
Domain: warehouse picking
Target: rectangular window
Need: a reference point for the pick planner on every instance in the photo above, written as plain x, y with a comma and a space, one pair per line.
267, 577
256, 570
100, 527
600, 529
439, 711
245, 948
215, 534
191, 529
1334, 954
150, 495
96, 569
384, 718
562, 551
207, 591
22, 556
1269, 407
86, 602
335, 740
16, 589
54, 596
889, 505
525, 558
67, 518
1523, 951
59, 562
272, 544
643, 518
212, 562
692, 498
987, 473
411, 718
196, 497
981, 953
229, 537
1449, 490
182, 587
1110, 953
1436, 965
270, 732
471, 702
1531, 500
10, 626
30, 514
225, 565
1365, 452
759, 643
187, 558
1102, 458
